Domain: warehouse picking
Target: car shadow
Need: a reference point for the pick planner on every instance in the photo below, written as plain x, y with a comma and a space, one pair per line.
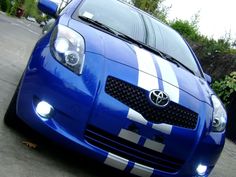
72, 161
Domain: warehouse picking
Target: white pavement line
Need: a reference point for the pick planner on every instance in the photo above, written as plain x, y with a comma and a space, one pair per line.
26, 28
3, 13
20, 21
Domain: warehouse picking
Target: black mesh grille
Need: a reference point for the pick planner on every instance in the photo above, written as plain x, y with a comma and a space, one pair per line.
131, 151
137, 99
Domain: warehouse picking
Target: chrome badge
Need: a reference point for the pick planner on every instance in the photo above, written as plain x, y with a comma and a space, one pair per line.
159, 98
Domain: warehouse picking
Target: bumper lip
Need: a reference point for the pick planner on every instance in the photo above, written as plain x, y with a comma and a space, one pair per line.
50, 129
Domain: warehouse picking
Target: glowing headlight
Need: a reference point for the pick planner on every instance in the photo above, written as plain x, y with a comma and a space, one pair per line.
201, 169
61, 45
219, 115
44, 109
67, 46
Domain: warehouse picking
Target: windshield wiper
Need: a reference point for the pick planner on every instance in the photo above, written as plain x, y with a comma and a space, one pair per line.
177, 62
98, 24
134, 41
140, 44
120, 35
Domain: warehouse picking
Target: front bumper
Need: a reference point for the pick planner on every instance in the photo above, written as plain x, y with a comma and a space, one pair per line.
73, 101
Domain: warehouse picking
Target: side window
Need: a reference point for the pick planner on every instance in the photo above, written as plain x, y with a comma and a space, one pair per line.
175, 46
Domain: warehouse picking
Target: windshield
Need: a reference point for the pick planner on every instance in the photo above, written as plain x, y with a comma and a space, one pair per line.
139, 26
116, 15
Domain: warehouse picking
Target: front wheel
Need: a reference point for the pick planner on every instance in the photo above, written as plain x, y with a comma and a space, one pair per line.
10, 117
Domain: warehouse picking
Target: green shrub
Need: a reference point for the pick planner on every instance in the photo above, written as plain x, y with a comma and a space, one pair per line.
153, 7
14, 8
186, 29
5, 5
30, 7
224, 88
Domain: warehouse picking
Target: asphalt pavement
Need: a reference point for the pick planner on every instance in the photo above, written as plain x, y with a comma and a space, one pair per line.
17, 39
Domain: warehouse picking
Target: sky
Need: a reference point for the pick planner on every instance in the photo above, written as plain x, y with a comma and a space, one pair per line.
217, 17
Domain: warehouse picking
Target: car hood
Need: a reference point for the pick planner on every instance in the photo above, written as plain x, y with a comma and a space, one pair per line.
169, 77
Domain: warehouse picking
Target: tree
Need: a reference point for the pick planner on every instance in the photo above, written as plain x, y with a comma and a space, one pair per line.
14, 7
5, 5
30, 7
187, 29
153, 7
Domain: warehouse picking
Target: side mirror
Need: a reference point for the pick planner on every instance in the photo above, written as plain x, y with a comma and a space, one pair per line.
48, 7
208, 78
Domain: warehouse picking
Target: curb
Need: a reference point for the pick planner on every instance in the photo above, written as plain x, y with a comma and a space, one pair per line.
3, 13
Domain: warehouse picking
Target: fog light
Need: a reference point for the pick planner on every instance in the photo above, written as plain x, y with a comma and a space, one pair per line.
44, 109
201, 169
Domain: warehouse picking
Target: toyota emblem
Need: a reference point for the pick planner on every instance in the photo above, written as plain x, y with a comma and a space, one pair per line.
159, 98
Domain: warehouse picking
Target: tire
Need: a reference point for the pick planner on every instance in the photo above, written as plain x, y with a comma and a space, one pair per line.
10, 118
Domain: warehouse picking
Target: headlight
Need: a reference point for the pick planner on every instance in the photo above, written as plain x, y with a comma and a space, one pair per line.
67, 46
219, 115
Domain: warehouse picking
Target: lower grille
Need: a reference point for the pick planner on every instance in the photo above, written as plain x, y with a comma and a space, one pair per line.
137, 99
131, 151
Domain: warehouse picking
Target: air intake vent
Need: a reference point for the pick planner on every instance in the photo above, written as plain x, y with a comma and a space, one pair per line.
131, 151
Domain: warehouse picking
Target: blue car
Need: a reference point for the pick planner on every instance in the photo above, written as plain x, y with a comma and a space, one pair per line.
114, 83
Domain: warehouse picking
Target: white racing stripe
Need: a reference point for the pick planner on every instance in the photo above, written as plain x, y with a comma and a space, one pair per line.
141, 170
164, 128
150, 144
137, 117
146, 65
130, 136
116, 161
169, 76
145, 81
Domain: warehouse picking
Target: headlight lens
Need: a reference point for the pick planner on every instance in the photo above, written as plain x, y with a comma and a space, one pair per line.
67, 46
219, 115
